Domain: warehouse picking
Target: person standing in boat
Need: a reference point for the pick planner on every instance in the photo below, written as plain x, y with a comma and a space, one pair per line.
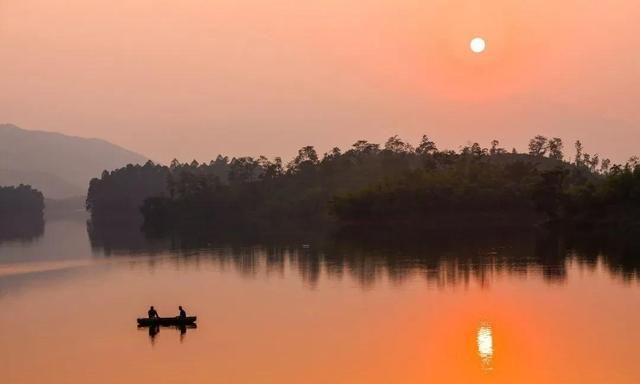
153, 313
183, 314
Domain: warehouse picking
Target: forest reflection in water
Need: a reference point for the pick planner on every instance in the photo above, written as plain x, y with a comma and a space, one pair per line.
21, 228
442, 258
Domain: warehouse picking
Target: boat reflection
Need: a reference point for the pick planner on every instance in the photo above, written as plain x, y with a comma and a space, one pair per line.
154, 330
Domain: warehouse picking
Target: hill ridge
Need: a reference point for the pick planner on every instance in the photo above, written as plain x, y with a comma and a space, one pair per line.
58, 164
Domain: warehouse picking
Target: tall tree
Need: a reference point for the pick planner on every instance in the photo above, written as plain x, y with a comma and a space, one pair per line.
494, 147
396, 145
426, 146
555, 148
538, 146
579, 149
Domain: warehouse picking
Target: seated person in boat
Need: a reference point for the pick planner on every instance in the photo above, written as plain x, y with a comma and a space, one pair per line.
153, 313
183, 314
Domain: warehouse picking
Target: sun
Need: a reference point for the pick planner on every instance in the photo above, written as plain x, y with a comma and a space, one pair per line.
477, 45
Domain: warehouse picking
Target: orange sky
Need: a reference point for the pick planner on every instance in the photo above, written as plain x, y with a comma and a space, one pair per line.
197, 77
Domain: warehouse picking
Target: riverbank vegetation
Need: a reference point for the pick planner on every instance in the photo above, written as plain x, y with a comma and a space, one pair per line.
21, 213
20, 200
374, 184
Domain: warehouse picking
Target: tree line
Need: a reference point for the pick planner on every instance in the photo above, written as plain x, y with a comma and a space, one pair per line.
21, 213
372, 183
20, 200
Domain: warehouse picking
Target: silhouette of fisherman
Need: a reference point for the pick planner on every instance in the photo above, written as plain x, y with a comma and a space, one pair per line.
153, 314
183, 314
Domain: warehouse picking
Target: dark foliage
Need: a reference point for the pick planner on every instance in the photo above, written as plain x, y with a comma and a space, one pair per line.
21, 213
612, 202
124, 190
374, 184
21, 200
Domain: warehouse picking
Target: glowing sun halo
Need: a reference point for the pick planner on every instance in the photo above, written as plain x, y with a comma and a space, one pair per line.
477, 45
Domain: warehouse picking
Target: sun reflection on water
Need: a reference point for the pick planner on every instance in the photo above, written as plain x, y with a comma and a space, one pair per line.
484, 339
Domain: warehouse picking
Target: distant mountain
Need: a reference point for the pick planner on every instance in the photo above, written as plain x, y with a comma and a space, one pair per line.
54, 185
58, 165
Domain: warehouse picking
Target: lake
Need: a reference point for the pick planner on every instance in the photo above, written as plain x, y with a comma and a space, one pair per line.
385, 307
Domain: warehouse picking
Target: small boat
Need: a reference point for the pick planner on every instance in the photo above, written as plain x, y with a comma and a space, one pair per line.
146, 322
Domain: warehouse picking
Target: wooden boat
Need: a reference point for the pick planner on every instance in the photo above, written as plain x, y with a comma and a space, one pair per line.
146, 322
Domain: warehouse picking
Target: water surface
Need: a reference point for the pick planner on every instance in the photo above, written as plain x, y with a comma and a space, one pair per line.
494, 307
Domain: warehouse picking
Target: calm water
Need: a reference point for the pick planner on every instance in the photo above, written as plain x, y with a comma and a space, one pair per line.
443, 308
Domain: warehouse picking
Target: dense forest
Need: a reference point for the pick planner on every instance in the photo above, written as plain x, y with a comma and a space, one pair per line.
21, 213
21, 200
373, 184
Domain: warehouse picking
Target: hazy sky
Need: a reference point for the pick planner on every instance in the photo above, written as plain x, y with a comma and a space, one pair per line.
194, 78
